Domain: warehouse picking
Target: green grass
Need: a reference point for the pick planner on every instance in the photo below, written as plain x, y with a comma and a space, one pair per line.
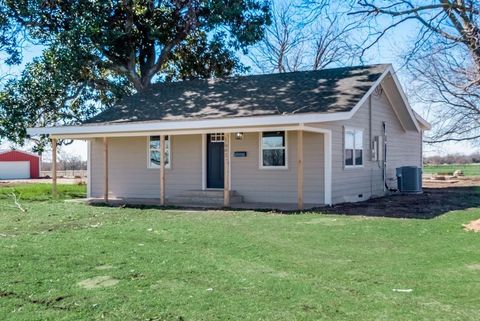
467, 169
222, 265
42, 192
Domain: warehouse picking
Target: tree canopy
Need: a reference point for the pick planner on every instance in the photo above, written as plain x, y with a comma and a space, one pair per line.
141, 39
97, 51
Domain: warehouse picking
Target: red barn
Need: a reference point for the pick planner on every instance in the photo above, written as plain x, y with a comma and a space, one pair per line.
16, 164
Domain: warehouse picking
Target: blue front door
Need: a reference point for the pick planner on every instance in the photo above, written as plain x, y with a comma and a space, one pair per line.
215, 161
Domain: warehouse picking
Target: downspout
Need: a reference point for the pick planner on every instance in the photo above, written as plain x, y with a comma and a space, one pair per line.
384, 161
370, 137
421, 149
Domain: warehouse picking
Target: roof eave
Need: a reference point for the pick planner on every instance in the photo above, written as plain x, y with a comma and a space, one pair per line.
423, 123
165, 126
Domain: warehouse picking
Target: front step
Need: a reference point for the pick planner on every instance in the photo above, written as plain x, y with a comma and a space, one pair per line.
207, 197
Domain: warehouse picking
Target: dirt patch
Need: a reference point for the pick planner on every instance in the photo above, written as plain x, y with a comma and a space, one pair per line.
473, 226
6, 294
475, 267
104, 267
462, 181
49, 303
98, 282
435, 200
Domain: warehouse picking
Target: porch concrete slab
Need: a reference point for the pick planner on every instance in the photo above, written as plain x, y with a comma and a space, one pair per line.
156, 201
273, 206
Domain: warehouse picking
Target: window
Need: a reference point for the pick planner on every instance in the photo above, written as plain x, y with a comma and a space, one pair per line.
217, 137
353, 147
154, 152
273, 152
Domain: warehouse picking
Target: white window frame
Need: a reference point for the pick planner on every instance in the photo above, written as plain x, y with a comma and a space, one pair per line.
217, 137
354, 131
169, 146
260, 143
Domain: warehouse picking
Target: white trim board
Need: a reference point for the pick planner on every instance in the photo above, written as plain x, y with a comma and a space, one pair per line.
89, 169
327, 150
425, 124
180, 132
216, 125
404, 97
204, 161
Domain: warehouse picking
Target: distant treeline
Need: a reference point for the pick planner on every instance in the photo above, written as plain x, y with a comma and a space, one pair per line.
453, 159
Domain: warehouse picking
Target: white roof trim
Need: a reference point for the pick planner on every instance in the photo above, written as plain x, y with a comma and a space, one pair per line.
225, 123
192, 124
425, 124
183, 132
404, 98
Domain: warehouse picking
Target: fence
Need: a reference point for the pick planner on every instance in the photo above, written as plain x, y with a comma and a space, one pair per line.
80, 173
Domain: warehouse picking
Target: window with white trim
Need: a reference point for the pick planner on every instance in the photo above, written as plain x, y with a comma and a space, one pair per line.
273, 151
353, 147
217, 137
154, 152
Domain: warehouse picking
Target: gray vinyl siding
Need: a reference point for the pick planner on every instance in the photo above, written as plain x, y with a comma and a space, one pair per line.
129, 175
278, 185
403, 149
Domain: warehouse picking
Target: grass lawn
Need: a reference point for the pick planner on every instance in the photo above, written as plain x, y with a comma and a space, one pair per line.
69, 261
467, 169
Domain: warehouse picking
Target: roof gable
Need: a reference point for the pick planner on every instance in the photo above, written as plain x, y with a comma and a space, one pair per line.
399, 102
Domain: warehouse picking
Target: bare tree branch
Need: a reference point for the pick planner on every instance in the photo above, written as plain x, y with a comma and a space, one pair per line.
309, 35
444, 61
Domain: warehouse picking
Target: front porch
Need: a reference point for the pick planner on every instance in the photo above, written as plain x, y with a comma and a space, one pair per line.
201, 203
117, 173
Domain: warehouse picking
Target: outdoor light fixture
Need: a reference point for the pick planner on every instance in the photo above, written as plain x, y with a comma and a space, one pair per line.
238, 136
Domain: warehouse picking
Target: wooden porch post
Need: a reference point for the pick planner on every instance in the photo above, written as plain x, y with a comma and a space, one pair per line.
226, 170
300, 169
105, 167
162, 170
54, 167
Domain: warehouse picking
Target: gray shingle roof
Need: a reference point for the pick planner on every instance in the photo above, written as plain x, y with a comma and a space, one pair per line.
323, 91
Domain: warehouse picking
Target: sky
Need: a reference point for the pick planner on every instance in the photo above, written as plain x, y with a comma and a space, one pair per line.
388, 50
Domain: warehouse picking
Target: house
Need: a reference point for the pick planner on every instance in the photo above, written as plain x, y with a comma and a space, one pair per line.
299, 139
17, 164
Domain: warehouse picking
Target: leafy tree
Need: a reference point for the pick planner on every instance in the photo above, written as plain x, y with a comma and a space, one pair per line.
9, 38
141, 39
56, 88
97, 51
